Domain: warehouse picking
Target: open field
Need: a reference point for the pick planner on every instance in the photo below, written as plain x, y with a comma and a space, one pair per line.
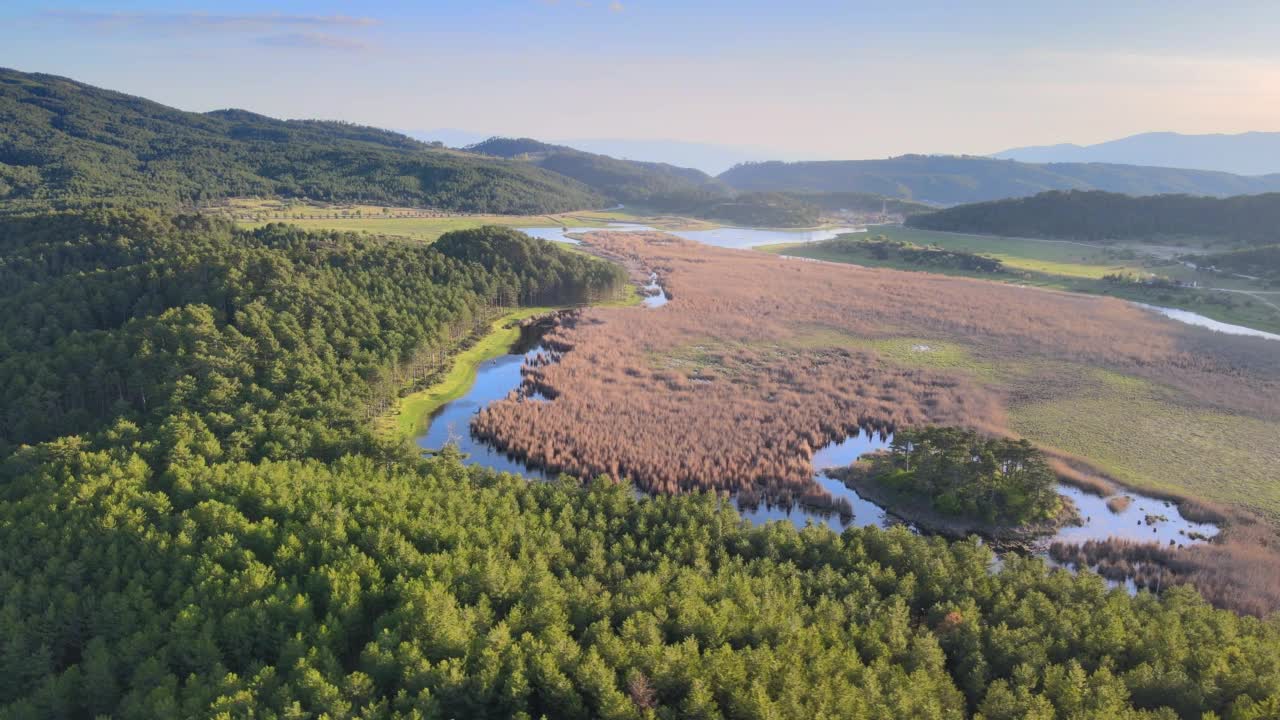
1079, 267
426, 225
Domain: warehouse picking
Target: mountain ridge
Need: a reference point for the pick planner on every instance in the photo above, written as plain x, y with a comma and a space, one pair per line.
959, 179
1249, 153
63, 141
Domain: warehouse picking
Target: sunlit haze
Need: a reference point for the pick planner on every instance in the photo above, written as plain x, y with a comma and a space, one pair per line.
817, 79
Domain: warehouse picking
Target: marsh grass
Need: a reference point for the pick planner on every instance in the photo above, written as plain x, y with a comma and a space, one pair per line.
1075, 267
759, 361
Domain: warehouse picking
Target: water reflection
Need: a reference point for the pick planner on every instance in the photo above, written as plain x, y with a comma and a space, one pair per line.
561, 234
496, 378
1191, 318
654, 294
452, 422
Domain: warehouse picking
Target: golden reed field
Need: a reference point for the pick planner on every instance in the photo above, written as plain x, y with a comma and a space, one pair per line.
759, 360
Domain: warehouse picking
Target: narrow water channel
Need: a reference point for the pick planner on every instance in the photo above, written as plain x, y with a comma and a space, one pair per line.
1144, 519
1141, 518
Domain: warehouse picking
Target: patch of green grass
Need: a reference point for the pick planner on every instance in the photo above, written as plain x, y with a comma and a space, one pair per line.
424, 229
412, 411
1134, 430
1071, 267
373, 220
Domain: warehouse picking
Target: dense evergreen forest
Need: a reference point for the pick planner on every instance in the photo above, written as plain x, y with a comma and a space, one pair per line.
948, 179
862, 202
1102, 216
61, 140
273, 341
197, 523
655, 185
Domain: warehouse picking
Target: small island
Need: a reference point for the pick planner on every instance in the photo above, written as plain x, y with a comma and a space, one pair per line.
881, 250
956, 482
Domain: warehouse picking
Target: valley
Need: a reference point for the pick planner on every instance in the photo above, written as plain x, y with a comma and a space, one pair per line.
306, 418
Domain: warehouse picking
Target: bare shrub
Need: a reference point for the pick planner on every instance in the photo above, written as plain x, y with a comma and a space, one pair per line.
1119, 503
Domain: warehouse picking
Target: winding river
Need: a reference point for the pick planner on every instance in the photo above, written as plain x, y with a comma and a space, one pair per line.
1144, 519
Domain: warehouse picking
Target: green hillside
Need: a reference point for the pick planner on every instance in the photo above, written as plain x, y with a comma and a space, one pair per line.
947, 180
62, 141
1101, 216
651, 184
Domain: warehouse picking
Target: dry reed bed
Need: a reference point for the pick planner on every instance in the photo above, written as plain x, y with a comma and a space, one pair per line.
754, 411
1241, 571
770, 382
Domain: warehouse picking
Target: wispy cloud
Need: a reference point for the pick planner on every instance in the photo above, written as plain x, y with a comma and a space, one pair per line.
207, 21
615, 6
322, 41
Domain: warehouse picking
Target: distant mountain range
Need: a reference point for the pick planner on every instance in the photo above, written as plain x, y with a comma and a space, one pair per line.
710, 158
951, 180
1251, 153
63, 141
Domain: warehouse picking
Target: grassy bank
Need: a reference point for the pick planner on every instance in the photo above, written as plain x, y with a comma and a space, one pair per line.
412, 411
1074, 267
422, 225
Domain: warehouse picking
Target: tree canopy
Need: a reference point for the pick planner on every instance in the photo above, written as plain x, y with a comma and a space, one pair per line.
1102, 216
64, 141
961, 473
951, 179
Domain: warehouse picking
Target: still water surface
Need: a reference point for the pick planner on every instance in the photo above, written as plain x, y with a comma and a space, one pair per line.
497, 378
1191, 318
1145, 519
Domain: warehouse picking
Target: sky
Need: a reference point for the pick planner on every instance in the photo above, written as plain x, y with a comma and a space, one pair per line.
800, 79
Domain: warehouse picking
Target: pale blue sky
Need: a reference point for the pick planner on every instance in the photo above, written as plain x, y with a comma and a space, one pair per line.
809, 79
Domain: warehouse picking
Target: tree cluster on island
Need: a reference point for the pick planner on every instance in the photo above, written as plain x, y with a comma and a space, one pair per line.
958, 473
882, 248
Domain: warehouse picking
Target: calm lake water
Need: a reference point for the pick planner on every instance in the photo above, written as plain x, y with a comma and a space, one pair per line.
1191, 318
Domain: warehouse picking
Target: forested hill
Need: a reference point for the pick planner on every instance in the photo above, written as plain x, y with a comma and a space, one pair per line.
948, 180
1109, 216
202, 525
61, 141
655, 185
272, 342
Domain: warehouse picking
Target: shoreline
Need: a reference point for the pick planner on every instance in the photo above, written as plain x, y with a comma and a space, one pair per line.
1000, 537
